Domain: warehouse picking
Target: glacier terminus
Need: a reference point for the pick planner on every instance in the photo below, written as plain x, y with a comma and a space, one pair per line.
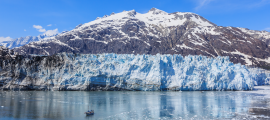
67, 71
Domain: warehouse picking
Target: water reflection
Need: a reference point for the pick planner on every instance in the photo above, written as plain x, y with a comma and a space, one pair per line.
126, 105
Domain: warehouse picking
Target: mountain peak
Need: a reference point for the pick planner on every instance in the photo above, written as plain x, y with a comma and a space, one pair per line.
153, 9
132, 13
112, 13
105, 16
156, 11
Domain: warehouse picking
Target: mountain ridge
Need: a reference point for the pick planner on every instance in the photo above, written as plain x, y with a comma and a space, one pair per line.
18, 42
155, 32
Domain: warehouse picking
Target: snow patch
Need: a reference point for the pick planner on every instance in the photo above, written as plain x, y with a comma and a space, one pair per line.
199, 21
183, 46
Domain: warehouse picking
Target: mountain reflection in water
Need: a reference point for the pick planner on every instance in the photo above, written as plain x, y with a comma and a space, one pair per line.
127, 105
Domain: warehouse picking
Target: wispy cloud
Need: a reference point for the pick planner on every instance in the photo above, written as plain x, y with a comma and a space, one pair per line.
39, 28
228, 5
268, 29
49, 25
202, 3
24, 30
51, 32
48, 32
5, 39
259, 4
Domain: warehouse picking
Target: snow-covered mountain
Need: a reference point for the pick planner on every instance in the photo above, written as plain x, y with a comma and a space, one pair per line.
18, 42
156, 31
261, 35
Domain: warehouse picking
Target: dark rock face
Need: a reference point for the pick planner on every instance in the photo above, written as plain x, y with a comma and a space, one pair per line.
129, 34
6, 54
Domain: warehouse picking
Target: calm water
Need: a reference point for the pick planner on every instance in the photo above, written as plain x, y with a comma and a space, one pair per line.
128, 105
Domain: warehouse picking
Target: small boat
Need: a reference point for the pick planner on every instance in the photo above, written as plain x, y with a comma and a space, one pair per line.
89, 112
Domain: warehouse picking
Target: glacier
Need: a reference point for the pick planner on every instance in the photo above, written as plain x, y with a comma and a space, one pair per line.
260, 76
67, 71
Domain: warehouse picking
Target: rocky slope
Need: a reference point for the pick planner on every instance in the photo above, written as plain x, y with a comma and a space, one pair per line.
261, 35
7, 54
155, 32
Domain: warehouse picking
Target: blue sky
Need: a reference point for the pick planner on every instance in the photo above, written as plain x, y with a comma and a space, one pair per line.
20, 18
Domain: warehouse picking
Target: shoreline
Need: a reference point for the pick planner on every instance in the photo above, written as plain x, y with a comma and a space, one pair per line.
257, 89
261, 90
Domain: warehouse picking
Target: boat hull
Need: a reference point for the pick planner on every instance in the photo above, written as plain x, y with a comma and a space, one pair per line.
89, 114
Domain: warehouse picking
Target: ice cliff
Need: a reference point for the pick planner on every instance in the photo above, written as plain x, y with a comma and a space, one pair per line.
260, 76
66, 71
